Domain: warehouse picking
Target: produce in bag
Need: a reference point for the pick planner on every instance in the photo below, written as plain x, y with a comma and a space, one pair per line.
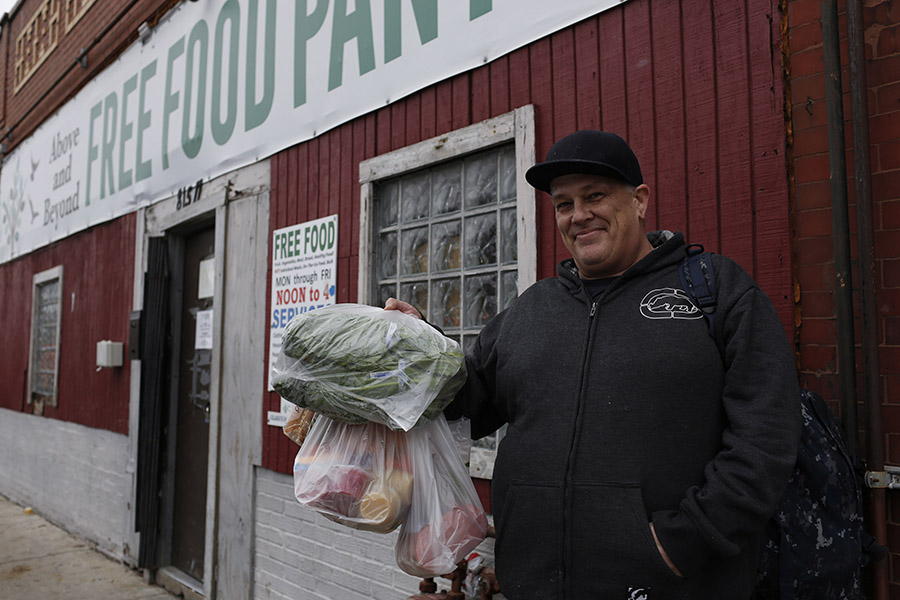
357, 475
355, 363
297, 424
446, 520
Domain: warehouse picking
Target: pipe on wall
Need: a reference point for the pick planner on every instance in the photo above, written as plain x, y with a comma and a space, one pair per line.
865, 239
843, 288
862, 175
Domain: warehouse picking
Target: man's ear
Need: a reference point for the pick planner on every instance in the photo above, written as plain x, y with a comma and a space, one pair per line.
642, 199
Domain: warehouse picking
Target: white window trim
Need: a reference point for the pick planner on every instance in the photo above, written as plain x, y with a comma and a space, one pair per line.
38, 279
517, 126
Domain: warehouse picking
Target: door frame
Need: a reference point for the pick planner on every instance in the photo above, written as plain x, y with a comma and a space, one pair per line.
174, 217
237, 202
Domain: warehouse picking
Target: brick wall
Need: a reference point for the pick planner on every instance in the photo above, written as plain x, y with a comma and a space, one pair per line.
4, 72
300, 555
124, 17
812, 196
815, 263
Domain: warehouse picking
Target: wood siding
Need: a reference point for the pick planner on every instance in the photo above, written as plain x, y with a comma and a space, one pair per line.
696, 88
98, 266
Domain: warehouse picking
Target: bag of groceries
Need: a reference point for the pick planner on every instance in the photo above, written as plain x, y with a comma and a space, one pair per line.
355, 363
357, 475
297, 423
446, 520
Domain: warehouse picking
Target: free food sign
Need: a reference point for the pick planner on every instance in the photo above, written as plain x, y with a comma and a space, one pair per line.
304, 275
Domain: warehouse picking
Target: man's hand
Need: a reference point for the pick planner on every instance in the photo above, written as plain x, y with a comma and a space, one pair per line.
664, 554
404, 307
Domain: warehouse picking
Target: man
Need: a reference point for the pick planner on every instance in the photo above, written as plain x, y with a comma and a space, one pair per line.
640, 461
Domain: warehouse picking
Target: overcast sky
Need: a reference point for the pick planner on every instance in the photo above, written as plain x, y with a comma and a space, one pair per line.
6, 6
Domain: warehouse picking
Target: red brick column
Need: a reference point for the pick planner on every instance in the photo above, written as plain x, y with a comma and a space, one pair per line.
810, 175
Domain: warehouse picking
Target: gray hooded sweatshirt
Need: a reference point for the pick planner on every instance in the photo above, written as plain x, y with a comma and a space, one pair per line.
623, 411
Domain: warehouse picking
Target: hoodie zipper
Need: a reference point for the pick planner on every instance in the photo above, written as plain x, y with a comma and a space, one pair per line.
568, 492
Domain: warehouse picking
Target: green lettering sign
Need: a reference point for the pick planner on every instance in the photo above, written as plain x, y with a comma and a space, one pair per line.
191, 143
255, 113
345, 27
125, 131
478, 8
170, 104
93, 150
143, 169
110, 119
223, 128
306, 26
426, 13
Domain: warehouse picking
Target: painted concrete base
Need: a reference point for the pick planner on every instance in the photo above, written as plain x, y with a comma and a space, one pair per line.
74, 476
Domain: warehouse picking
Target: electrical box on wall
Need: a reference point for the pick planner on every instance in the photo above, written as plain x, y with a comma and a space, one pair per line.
109, 354
134, 335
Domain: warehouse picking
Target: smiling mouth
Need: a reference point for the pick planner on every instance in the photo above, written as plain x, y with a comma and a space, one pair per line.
589, 232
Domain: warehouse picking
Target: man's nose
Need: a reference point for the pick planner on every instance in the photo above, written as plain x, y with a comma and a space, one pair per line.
581, 211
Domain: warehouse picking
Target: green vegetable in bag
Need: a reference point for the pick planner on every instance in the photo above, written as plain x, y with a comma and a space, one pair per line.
356, 363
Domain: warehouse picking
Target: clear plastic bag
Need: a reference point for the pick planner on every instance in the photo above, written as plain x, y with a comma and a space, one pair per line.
356, 363
357, 475
446, 520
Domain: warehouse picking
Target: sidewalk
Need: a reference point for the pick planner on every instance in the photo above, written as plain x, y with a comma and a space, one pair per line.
41, 561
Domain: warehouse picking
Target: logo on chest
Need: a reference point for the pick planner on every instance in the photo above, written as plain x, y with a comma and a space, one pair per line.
669, 303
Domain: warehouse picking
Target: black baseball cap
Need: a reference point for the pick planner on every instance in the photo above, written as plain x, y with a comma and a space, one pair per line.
588, 152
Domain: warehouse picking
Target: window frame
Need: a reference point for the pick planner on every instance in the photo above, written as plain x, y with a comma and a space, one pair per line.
39, 279
516, 126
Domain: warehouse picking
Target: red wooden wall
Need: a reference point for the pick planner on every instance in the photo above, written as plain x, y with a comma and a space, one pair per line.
98, 264
696, 87
98, 268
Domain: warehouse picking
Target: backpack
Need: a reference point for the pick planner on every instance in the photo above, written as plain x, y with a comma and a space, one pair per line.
814, 546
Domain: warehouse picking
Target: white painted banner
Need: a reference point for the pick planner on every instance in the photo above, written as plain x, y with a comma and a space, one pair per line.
222, 84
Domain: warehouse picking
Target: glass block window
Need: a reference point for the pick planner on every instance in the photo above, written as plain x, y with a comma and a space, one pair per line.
445, 239
44, 363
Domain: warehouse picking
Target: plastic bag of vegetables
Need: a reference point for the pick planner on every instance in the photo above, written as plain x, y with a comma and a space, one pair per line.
357, 475
446, 520
355, 363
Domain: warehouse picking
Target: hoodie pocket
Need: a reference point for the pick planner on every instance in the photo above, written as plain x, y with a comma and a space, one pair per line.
528, 549
613, 549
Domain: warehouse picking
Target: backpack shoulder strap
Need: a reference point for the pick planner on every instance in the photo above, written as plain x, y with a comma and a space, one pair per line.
699, 282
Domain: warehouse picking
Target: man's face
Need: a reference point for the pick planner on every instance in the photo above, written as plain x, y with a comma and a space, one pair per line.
601, 222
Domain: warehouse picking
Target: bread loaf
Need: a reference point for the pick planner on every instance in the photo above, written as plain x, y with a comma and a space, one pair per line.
297, 425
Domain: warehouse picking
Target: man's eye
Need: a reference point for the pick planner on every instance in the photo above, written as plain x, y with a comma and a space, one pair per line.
562, 206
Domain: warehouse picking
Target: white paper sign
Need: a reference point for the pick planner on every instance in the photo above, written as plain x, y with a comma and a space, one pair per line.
278, 419
203, 340
207, 284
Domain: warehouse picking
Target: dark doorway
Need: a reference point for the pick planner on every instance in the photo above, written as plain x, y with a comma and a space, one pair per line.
191, 404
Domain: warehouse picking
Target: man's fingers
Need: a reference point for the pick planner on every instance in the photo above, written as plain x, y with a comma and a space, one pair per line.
404, 307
